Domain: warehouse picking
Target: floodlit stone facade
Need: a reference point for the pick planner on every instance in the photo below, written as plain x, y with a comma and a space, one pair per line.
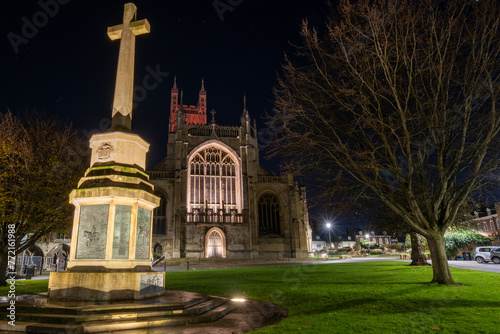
217, 201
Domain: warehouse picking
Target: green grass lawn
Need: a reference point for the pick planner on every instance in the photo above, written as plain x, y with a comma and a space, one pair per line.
28, 287
380, 297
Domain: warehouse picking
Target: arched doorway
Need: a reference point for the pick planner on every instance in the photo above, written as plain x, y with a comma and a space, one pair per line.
158, 251
34, 251
32, 256
58, 258
215, 243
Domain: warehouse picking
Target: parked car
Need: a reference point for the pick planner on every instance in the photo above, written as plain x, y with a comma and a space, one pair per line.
482, 254
495, 255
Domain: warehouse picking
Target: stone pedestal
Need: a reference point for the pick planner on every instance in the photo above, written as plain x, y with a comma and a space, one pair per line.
122, 148
109, 286
110, 257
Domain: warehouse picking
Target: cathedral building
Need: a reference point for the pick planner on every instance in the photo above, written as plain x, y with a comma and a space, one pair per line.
217, 201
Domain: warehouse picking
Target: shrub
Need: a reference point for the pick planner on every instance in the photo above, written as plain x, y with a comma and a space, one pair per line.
464, 238
369, 245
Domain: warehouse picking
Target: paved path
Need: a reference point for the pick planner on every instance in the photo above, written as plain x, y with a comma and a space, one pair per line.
469, 265
473, 265
490, 267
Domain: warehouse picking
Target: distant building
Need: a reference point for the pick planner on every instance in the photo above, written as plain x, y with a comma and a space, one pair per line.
486, 221
52, 253
346, 241
379, 239
359, 234
318, 244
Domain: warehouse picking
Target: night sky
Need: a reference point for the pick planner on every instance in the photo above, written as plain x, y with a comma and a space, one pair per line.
67, 65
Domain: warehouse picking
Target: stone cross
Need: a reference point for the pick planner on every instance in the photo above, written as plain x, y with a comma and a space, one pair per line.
124, 88
213, 116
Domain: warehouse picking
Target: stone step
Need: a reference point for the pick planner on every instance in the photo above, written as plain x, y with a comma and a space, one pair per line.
119, 324
210, 316
77, 308
127, 314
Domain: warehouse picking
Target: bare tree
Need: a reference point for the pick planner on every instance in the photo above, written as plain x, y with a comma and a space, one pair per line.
398, 98
41, 160
385, 218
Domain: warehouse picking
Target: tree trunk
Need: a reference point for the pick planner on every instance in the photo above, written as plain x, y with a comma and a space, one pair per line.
440, 267
3, 266
418, 257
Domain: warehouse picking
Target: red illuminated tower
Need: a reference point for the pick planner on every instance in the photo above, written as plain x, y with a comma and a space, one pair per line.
194, 115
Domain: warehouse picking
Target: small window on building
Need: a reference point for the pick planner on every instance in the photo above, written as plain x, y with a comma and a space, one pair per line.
492, 225
485, 226
269, 215
159, 216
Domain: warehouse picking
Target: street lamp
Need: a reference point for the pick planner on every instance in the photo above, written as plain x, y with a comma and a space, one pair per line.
367, 240
328, 226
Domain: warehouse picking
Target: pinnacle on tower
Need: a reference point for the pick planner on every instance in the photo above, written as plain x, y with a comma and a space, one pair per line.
174, 88
202, 90
245, 118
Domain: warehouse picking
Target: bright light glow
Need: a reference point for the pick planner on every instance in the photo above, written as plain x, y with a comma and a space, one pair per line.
238, 300
368, 237
328, 225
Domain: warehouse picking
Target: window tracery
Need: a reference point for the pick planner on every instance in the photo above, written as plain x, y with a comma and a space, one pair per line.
213, 183
269, 215
160, 216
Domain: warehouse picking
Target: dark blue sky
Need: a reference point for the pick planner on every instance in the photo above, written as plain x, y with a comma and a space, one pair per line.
57, 57
66, 65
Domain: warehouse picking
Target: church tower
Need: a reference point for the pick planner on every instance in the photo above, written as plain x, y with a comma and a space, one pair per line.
217, 201
194, 115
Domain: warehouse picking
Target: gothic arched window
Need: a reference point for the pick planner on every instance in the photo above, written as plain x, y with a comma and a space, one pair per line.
160, 216
269, 215
158, 250
213, 181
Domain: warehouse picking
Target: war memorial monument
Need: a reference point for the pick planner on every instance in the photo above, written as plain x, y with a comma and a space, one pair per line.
111, 239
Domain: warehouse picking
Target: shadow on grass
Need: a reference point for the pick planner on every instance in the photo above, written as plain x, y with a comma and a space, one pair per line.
422, 305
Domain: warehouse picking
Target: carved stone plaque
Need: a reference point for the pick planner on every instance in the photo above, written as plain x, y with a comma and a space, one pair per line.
104, 152
92, 231
143, 234
121, 236
151, 284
